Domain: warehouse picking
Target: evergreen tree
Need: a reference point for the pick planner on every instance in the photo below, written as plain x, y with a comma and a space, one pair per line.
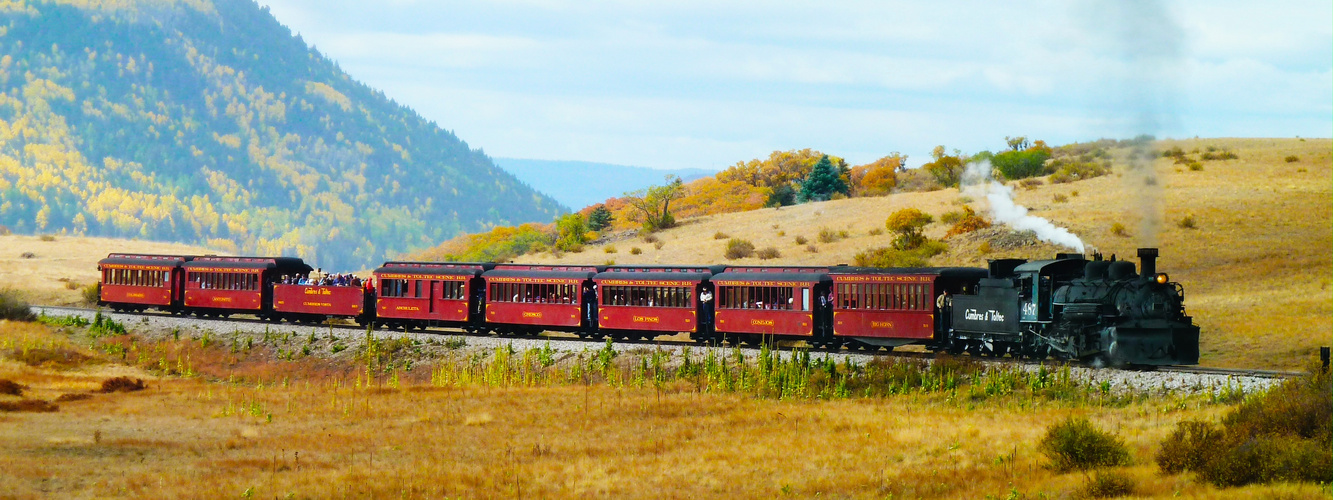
600, 218
781, 196
822, 182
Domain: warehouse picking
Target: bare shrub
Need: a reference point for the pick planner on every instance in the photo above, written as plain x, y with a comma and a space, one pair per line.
658, 244
121, 384
13, 307
76, 396
768, 253
876, 232
720, 235
827, 235
1187, 447
895, 257
738, 248
650, 238
1187, 222
1075, 444
55, 357
29, 405
800, 240
1284, 435
47, 237
1070, 172
1031, 183
1059, 198
610, 249
1292, 159
1108, 484
28, 255
10, 387
1118, 229
1195, 166
635, 250
812, 248
1219, 155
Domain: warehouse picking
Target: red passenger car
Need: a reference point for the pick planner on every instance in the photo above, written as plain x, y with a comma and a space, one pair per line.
889, 307
134, 282
529, 299
315, 303
775, 302
220, 286
422, 294
647, 301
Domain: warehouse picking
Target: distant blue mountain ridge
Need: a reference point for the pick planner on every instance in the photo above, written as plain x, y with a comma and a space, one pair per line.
578, 184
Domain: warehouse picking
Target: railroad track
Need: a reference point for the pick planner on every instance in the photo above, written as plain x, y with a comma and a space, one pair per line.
1200, 370
1237, 372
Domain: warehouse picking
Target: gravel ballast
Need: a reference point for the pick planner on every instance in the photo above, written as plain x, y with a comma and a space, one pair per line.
350, 337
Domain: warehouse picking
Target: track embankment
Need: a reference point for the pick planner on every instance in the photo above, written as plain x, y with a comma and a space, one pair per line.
1162, 380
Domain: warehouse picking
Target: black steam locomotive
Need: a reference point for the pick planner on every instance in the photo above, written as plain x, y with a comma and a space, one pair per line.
1074, 308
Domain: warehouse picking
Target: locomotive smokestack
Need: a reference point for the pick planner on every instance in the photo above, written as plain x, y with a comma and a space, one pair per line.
1147, 262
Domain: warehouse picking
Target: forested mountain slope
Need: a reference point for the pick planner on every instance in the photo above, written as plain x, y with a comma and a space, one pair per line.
209, 122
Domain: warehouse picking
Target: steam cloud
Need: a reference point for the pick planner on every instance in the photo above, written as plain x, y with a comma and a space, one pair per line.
977, 181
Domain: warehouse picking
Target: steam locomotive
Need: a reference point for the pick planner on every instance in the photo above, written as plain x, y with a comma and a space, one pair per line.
1074, 308
1069, 307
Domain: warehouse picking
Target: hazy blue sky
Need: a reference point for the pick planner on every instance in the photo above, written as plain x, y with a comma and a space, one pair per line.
688, 83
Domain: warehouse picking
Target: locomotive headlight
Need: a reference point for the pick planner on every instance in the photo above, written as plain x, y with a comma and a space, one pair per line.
1161, 278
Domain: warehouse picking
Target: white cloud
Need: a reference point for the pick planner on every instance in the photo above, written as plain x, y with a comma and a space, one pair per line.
701, 83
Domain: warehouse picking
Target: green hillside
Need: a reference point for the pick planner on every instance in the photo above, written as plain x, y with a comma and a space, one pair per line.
208, 122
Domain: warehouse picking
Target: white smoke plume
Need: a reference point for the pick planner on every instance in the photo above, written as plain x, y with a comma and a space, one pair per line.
977, 181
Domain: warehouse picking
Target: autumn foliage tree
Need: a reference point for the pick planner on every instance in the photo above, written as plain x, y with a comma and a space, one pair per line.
571, 232
780, 168
652, 206
946, 169
879, 177
1023, 159
908, 224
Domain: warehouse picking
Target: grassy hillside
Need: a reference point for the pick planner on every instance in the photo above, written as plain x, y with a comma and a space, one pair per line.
53, 270
207, 121
1255, 266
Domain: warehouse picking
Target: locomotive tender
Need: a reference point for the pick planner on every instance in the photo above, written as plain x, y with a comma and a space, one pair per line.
1069, 307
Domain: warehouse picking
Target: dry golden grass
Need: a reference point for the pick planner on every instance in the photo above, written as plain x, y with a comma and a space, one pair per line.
59, 268
1255, 267
309, 429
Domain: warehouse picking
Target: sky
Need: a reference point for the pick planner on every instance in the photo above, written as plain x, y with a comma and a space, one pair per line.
705, 84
